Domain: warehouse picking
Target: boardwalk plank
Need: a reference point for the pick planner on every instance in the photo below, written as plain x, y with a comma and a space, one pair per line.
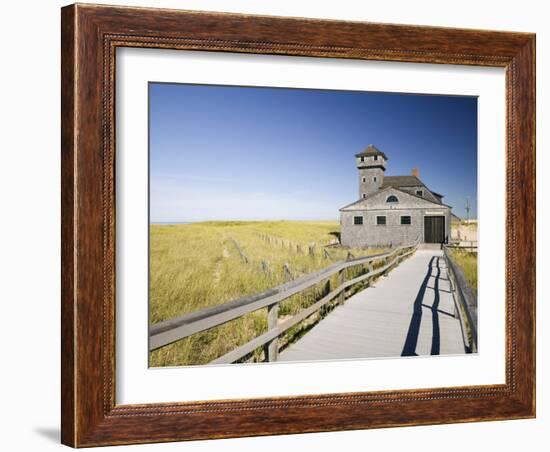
379, 321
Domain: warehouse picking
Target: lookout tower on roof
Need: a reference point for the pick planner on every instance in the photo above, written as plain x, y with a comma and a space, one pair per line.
371, 164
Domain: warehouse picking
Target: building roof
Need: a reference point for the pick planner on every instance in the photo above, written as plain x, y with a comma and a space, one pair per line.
402, 181
371, 151
397, 189
406, 181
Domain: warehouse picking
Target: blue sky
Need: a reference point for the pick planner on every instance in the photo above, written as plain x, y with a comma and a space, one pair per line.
243, 153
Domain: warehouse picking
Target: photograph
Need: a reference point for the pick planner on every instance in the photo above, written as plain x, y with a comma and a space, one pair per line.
292, 225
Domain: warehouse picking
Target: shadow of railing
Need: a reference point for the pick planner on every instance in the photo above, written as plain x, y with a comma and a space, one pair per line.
411, 341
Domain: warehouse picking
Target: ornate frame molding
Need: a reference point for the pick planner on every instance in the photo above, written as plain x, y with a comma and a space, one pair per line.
90, 36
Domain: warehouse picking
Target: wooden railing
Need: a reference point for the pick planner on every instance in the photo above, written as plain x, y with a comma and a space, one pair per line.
175, 329
470, 247
465, 300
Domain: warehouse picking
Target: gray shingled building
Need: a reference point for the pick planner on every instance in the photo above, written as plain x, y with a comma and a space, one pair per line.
392, 210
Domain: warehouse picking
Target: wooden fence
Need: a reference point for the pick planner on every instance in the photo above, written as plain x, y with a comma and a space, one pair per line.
164, 333
465, 299
465, 246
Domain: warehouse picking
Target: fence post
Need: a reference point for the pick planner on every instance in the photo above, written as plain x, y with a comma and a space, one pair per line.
266, 267
271, 348
452, 286
342, 280
370, 266
244, 257
287, 272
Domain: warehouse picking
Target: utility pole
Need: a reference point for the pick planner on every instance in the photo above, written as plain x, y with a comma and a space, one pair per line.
468, 210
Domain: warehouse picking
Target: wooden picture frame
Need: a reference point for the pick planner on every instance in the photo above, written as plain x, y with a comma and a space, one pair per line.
90, 36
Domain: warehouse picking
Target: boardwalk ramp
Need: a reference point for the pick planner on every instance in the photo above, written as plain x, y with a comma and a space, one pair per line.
410, 312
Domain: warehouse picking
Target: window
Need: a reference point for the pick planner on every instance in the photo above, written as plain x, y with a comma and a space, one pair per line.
419, 193
362, 159
381, 220
364, 195
405, 219
358, 220
374, 179
375, 157
392, 198
364, 179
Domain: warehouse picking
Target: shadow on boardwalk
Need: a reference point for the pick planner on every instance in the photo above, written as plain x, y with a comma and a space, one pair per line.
409, 348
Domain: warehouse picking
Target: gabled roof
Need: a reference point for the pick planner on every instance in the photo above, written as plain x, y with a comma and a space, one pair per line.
402, 181
397, 189
420, 197
364, 199
406, 181
371, 151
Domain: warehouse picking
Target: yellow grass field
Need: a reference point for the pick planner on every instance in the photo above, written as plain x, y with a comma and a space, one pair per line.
198, 265
468, 263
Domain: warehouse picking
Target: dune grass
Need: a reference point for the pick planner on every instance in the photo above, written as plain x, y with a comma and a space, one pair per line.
194, 266
467, 261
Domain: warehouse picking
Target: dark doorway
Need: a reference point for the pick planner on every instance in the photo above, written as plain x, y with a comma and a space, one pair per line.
434, 229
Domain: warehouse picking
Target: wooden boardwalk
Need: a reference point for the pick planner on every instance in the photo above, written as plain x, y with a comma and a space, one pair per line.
408, 313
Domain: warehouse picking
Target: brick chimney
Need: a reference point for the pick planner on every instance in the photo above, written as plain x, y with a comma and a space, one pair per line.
415, 172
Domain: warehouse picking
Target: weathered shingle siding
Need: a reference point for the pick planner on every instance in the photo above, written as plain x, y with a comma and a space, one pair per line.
367, 185
369, 234
378, 201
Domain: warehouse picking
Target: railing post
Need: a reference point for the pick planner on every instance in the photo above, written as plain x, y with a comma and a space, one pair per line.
371, 269
452, 286
271, 348
342, 280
